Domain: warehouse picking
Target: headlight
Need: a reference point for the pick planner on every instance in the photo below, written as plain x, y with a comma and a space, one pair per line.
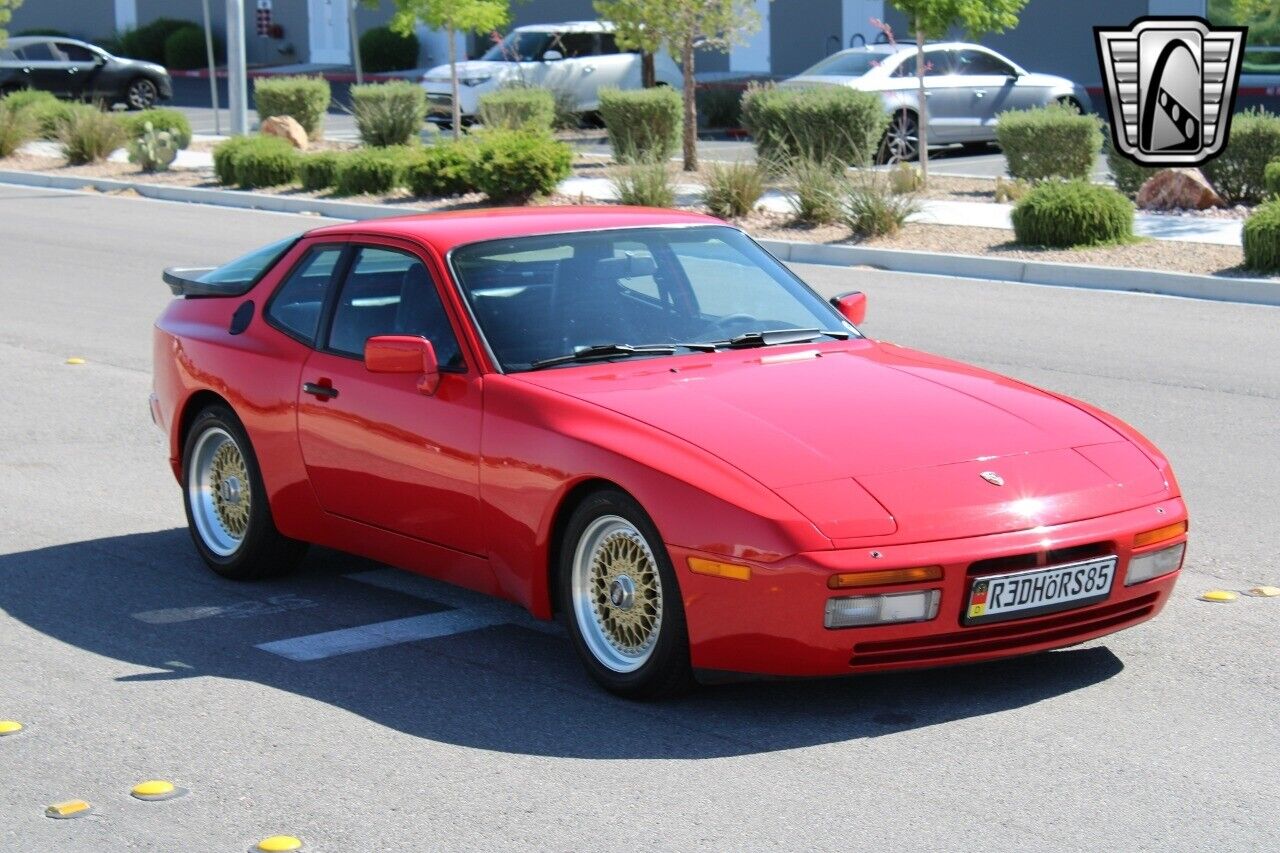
1147, 566
882, 609
475, 81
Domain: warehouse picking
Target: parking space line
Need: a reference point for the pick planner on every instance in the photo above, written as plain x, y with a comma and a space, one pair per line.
379, 635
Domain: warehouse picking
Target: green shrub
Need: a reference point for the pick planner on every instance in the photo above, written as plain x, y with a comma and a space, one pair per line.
170, 121
719, 106
306, 99
266, 161
516, 165
733, 188
644, 185
1014, 190
1128, 175
372, 170
318, 171
1072, 213
518, 108
389, 113
148, 41
872, 209
822, 123
1262, 238
1238, 172
443, 169
1049, 142
816, 189
153, 150
44, 31
185, 48
567, 116
44, 109
89, 135
224, 158
17, 128
383, 49
1271, 179
643, 124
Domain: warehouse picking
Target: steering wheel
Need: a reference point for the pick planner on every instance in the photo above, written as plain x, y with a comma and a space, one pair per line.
723, 325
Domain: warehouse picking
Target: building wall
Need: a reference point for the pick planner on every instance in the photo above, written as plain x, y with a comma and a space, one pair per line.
90, 20
802, 32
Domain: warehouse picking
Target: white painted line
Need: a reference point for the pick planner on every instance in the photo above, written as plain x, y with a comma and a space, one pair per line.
382, 634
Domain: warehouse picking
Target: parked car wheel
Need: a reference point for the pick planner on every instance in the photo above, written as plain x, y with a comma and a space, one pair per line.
1072, 103
141, 94
902, 140
619, 595
226, 503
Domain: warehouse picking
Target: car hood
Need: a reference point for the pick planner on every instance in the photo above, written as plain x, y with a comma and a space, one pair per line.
471, 68
871, 439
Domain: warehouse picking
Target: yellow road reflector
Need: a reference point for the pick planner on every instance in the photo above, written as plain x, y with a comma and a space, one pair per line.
156, 789
75, 359
68, 809
1259, 591
1218, 595
9, 727
279, 843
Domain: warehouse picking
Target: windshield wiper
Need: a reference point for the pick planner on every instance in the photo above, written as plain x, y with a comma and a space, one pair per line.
781, 336
603, 351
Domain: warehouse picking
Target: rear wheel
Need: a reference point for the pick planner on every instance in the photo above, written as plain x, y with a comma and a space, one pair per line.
1071, 103
619, 594
226, 503
901, 141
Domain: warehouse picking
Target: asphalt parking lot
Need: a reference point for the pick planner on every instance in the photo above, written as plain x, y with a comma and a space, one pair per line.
126, 660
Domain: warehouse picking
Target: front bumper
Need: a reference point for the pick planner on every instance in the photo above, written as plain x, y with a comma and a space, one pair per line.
772, 624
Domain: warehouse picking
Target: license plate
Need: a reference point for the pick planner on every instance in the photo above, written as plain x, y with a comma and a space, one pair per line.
998, 597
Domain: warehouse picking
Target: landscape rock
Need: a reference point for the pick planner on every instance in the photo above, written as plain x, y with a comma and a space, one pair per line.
288, 129
1177, 189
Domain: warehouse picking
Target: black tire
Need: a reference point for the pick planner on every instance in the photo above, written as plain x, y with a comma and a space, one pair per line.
667, 671
141, 93
901, 124
1071, 103
262, 551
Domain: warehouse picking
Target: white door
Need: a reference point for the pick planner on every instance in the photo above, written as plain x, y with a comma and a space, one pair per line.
857, 27
330, 38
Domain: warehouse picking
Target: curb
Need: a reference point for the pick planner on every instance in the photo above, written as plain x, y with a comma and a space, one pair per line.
1247, 290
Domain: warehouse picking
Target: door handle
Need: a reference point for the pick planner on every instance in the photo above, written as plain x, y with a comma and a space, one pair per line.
981, 93
72, 70
587, 69
322, 390
26, 69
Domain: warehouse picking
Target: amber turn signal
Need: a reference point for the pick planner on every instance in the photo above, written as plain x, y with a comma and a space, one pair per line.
847, 580
720, 570
1169, 531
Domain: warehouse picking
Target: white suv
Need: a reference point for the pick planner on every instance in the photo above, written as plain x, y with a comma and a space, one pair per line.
577, 58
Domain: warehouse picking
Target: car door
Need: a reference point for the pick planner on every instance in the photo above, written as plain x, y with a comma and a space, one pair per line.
81, 65
942, 92
575, 72
614, 68
45, 69
992, 90
377, 449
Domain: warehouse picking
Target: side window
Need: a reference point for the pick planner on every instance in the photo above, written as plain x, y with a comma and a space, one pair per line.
609, 45
936, 64
980, 63
388, 292
38, 52
577, 45
295, 307
75, 52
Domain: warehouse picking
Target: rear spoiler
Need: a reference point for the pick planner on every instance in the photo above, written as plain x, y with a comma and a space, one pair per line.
185, 281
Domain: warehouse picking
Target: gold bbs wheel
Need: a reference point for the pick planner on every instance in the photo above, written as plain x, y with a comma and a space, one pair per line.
219, 492
617, 593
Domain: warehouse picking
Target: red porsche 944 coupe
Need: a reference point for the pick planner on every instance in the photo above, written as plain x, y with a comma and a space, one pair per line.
642, 422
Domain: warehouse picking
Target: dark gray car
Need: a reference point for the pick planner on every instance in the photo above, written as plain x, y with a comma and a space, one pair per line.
80, 71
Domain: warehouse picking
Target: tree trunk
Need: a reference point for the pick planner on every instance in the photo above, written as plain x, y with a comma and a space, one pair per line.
922, 124
648, 75
690, 107
453, 82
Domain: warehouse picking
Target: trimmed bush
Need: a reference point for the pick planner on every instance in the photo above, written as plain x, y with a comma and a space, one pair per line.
89, 135
44, 109
1271, 179
443, 169
185, 48
644, 185
318, 171
169, 121
44, 31
719, 106
389, 113
383, 49
1262, 238
1128, 175
372, 170
518, 108
733, 189
1238, 172
266, 161
1049, 142
516, 165
825, 123
17, 128
1062, 214
148, 41
872, 209
306, 99
224, 158
567, 116
644, 125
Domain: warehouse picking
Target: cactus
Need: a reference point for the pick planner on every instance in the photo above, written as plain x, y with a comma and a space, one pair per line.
153, 150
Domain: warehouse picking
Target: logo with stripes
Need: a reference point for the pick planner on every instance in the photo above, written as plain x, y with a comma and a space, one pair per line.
1171, 88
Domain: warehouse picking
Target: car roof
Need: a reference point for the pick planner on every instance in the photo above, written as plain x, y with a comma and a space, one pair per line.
569, 27
447, 230
19, 41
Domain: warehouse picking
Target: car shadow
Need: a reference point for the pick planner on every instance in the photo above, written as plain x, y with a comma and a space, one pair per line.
145, 600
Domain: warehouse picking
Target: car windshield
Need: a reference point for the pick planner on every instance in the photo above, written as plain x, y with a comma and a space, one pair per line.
248, 268
519, 46
567, 298
852, 64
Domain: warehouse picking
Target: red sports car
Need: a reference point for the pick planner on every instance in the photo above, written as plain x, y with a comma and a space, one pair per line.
643, 422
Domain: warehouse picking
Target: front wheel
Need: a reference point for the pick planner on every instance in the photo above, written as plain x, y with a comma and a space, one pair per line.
901, 141
227, 510
619, 595
142, 94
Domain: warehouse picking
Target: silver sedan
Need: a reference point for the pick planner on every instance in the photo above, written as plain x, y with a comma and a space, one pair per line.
967, 86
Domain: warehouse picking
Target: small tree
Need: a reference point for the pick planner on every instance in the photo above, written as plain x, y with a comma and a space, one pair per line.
679, 26
452, 16
933, 19
6, 12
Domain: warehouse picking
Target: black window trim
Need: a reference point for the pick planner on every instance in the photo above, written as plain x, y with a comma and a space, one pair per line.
343, 247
